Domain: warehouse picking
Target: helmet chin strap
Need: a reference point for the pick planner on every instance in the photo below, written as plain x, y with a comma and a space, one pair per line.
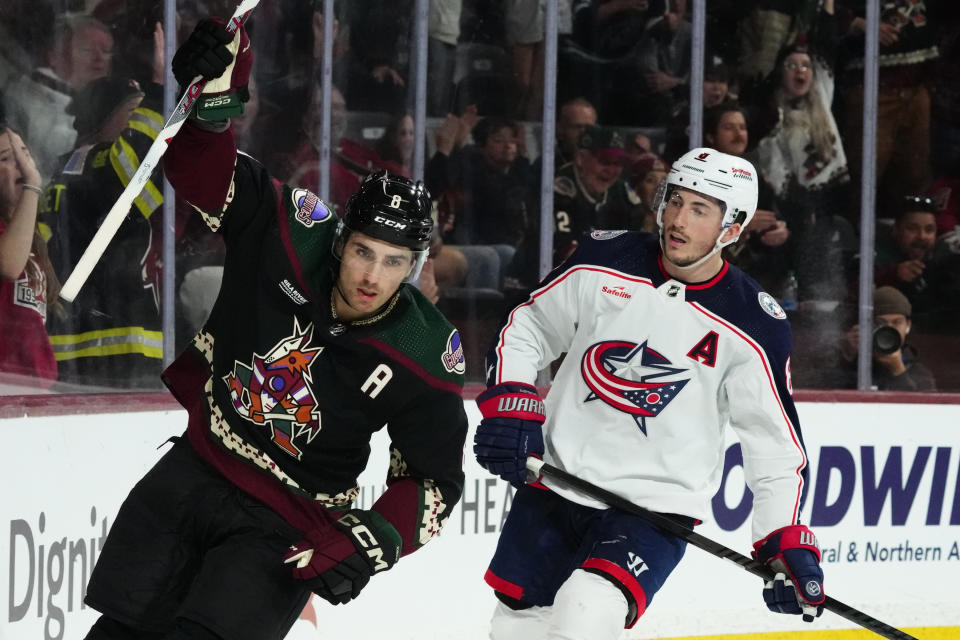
663, 250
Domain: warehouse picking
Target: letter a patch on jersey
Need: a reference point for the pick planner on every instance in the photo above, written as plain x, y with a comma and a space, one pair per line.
705, 351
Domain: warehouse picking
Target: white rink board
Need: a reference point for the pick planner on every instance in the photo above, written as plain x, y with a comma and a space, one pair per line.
65, 477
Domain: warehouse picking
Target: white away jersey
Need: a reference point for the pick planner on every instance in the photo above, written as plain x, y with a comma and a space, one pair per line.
655, 369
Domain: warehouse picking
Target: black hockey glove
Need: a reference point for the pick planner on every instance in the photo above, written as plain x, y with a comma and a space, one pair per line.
793, 553
222, 59
338, 560
511, 430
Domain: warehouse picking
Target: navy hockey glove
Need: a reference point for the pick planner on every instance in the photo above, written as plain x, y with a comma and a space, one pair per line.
511, 430
338, 560
792, 552
222, 59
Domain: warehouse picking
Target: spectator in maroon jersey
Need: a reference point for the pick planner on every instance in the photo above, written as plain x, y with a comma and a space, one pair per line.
27, 281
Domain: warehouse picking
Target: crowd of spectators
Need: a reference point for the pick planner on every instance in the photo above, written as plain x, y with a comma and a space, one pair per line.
783, 87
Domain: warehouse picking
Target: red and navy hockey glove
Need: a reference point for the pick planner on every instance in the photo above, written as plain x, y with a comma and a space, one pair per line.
221, 58
511, 430
338, 560
792, 552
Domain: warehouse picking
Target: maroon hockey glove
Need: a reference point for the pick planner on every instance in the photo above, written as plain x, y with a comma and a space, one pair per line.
511, 430
222, 59
338, 560
792, 552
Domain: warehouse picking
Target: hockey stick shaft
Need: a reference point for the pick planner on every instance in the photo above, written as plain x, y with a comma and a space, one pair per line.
540, 468
118, 212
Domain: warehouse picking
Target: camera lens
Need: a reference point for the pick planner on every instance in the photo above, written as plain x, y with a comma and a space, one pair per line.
886, 339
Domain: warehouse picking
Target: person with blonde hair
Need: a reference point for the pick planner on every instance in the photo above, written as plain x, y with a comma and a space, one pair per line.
803, 161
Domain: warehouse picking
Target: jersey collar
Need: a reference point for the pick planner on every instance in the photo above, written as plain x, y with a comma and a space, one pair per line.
706, 284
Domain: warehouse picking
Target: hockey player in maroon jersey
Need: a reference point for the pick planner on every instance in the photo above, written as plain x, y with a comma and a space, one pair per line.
315, 342
644, 319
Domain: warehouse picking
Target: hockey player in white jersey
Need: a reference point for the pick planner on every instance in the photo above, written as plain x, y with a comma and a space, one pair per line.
665, 344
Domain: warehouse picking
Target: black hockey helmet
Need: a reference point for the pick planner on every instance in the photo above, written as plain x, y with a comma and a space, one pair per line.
391, 208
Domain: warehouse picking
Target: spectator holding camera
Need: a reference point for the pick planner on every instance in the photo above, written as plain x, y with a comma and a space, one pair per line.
895, 364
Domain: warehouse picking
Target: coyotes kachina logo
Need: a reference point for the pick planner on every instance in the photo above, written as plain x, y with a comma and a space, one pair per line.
275, 390
631, 378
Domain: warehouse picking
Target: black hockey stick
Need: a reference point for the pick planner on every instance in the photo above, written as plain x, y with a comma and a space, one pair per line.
538, 468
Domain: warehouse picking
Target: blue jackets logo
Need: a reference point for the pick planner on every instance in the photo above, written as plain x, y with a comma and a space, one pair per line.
631, 378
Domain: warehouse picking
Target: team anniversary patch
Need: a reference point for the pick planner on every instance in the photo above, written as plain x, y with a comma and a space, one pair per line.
452, 358
310, 208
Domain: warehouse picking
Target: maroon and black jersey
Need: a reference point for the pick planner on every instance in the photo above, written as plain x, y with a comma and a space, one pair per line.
283, 397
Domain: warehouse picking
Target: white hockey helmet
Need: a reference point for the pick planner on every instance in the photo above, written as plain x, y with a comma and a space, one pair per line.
730, 179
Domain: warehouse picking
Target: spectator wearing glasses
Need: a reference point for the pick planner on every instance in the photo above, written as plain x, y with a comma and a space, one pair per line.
802, 159
82, 51
925, 269
802, 155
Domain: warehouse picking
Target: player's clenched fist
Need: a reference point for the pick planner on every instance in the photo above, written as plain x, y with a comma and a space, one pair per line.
221, 58
338, 560
798, 586
511, 430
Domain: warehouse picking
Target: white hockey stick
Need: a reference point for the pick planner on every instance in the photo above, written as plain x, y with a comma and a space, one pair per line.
121, 207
